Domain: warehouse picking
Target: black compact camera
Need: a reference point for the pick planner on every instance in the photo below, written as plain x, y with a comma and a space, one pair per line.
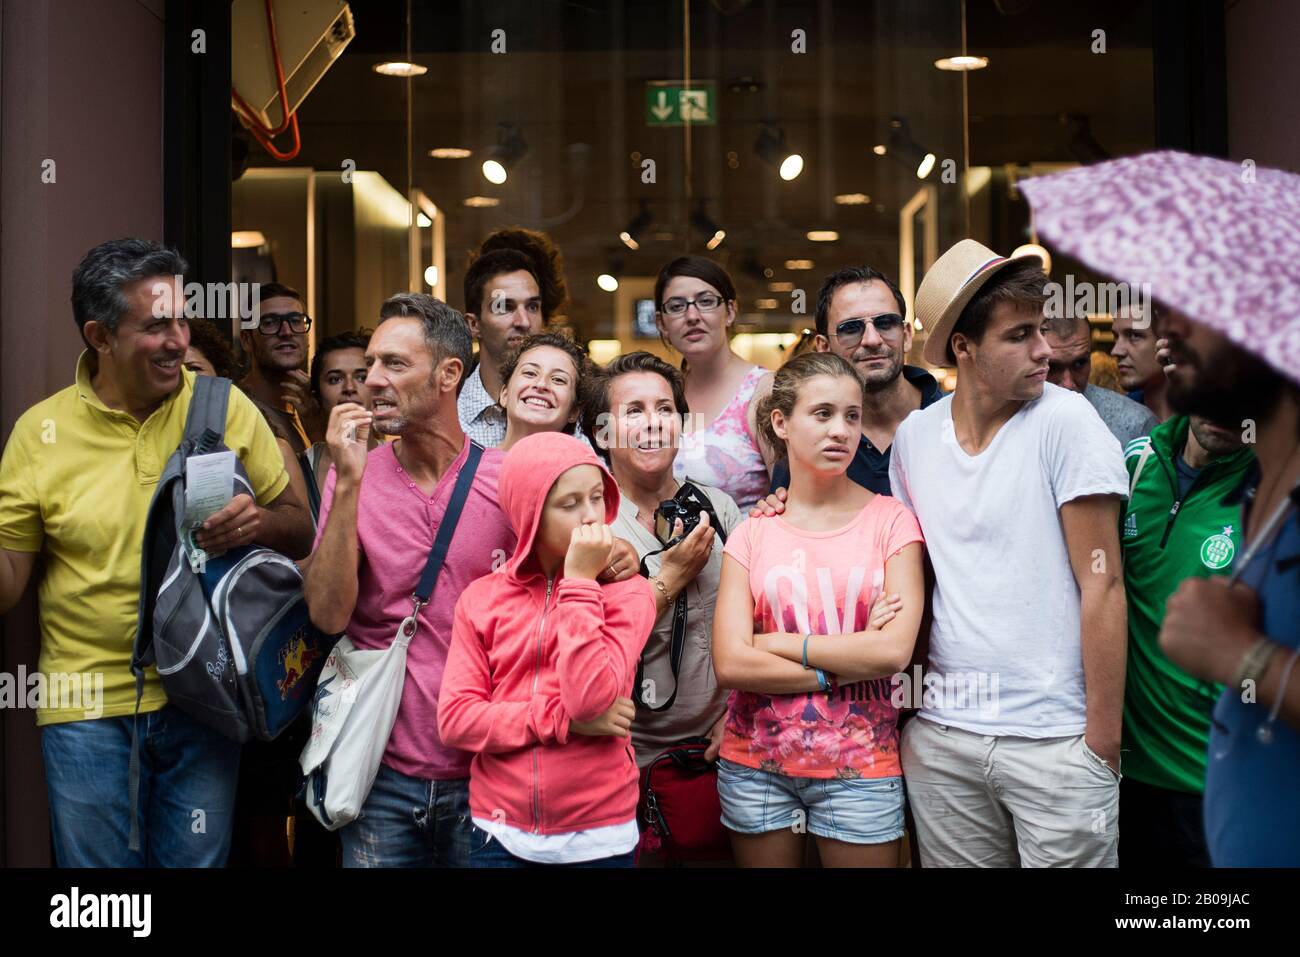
686, 506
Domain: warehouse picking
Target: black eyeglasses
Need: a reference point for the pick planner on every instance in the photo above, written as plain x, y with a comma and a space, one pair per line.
705, 302
849, 332
272, 322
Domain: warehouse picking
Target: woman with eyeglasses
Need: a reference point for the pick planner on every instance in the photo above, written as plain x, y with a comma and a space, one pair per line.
696, 306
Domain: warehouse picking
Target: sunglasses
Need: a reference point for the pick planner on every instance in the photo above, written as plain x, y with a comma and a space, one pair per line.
272, 322
849, 332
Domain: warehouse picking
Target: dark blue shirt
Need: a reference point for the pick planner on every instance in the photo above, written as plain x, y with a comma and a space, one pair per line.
870, 466
1252, 784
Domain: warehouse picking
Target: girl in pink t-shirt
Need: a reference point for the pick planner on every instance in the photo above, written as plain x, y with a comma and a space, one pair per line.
817, 608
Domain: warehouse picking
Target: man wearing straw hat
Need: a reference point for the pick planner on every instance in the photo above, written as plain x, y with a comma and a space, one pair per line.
1219, 242
1017, 485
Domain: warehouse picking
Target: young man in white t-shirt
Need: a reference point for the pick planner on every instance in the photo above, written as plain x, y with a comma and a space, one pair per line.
1017, 485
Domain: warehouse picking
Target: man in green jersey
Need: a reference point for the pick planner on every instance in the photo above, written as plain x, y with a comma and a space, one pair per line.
1176, 526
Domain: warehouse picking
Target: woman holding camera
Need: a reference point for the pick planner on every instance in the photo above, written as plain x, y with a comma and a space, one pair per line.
634, 420
695, 301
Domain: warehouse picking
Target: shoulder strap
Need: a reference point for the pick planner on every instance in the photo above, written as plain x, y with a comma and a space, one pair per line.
207, 413
1137, 469
308, 468
437, 554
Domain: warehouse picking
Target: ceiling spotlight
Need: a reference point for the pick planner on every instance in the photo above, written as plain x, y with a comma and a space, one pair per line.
852, 199
431, 275
962, 64
510, 148
450, 153
631, 236
400, 68
607, 282
714, 233
771, 149
822, 235
481, 202
423, 221
879, 149
906, 150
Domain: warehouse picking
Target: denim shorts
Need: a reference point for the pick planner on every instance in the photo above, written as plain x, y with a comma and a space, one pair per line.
852, 810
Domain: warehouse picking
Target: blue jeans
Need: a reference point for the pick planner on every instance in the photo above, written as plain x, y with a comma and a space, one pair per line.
188, 775
487, 851
410, 822
852, 810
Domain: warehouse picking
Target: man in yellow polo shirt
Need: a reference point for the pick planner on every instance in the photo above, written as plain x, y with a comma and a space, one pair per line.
76, 479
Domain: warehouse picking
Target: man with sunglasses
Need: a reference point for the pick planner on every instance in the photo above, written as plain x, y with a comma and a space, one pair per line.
861, 316
276, 379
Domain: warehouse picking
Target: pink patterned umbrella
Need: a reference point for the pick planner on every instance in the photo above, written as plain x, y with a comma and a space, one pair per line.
1218, 241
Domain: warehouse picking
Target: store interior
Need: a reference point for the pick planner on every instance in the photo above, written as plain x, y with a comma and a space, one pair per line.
785, 139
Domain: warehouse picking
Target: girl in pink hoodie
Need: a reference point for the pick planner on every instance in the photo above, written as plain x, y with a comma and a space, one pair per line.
540, 671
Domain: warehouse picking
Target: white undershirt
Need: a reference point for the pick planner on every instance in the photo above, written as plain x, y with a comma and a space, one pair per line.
589, 845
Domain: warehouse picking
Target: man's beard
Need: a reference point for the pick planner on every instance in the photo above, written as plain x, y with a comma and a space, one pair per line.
876, 378
1231, 387
395, 426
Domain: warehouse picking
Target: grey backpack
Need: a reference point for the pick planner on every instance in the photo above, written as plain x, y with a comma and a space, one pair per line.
229, 635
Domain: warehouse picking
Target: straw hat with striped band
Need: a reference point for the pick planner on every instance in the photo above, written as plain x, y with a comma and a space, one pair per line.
950, 284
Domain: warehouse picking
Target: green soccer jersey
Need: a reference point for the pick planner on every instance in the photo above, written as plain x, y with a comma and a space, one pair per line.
1166, 538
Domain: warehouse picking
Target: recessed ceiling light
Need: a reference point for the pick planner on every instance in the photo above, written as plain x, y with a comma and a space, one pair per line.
450, 153
247, 239
431, 275
400, 68
481, 202
607, 282
878, 149
852, 199
798, 264
961, 64
822, 235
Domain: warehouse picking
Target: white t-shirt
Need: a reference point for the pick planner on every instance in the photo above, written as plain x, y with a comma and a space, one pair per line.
1006, 636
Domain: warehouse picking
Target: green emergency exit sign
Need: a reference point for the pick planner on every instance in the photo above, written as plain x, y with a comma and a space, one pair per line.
672, 103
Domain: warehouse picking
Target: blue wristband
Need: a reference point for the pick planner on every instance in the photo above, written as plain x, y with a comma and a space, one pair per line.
821, 680
805, 651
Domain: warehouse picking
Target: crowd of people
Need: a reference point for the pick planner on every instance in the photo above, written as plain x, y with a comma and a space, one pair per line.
1030, 622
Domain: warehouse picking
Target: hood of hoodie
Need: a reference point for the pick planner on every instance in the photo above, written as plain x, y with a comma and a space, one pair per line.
530, 469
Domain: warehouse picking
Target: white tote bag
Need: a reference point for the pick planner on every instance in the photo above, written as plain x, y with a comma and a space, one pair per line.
359, 692
356, 704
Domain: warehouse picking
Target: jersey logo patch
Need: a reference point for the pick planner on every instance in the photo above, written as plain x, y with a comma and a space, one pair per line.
1217, 550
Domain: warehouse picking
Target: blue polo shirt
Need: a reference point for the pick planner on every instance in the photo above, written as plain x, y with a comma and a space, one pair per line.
1252, 785
870, 466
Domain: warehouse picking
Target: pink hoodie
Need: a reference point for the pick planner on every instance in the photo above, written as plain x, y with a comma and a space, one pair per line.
528, 655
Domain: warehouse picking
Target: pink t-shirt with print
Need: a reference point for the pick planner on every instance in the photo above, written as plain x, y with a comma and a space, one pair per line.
823, 583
